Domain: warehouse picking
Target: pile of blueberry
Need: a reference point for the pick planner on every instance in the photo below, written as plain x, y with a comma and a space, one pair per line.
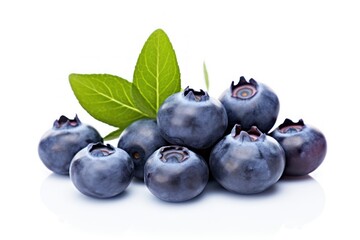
194, 137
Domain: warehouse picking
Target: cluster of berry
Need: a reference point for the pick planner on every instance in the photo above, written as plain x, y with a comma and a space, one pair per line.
194, 137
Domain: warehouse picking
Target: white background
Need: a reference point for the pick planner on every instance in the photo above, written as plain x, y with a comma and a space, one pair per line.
306, 51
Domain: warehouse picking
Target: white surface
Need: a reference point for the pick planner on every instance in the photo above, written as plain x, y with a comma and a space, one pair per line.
308, 52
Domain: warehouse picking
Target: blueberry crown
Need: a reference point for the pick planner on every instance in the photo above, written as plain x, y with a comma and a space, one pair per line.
288, 126
197, 96
64, 122
100, 149
174, 153
244, 89
252, 135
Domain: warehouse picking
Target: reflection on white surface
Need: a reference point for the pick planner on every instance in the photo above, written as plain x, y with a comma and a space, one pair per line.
290, 203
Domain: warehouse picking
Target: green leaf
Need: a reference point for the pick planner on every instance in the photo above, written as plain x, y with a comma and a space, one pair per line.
156, 74
206, 76
114, 134
141, 103
107, 98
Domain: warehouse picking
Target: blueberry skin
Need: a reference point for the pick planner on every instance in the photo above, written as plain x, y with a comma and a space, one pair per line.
101, 171
140, 140
175, 174
59, 144
305, 147
250, 104
247, 162
192, 119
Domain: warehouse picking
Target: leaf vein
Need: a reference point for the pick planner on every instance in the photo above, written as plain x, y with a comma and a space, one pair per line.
112, 99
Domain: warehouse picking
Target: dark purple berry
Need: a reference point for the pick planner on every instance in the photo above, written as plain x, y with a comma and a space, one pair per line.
304, 146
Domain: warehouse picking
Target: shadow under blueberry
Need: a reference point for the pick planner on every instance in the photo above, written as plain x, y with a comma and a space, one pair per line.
120, 197
291, 202
138, 181
55, 185
296, 178
199, 198
214, 188
58, 177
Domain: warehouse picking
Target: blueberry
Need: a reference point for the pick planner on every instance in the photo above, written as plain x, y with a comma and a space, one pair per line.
175, 174
140, 140
250, 104
247, 162
101, 171
304, 146
58, 145
192, 119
